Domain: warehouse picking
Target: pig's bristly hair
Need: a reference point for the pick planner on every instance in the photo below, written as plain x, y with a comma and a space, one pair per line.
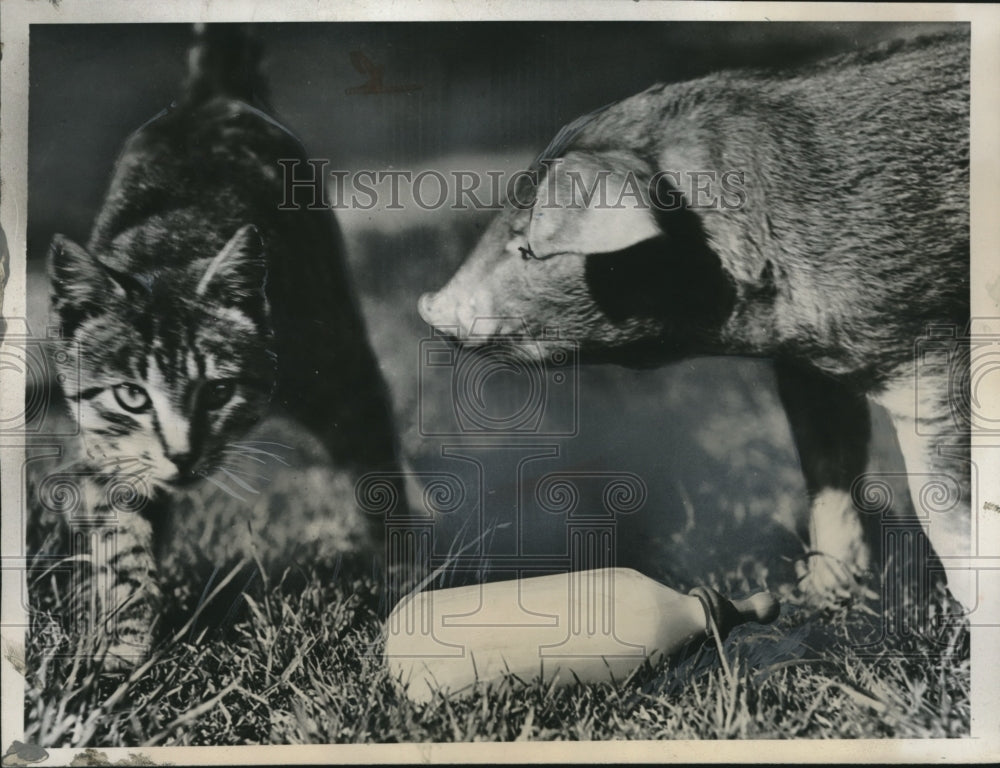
566, 135
557, 148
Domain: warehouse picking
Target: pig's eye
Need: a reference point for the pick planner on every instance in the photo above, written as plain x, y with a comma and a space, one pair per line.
526, 253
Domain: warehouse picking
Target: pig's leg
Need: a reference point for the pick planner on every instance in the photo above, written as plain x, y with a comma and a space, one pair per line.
936, 451
831, 427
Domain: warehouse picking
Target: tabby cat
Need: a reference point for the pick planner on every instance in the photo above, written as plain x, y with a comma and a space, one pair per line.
196, 305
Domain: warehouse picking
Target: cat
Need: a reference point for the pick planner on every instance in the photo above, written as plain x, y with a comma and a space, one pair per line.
196, 306
843, 235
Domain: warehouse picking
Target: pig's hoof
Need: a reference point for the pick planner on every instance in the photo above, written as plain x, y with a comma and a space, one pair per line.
825, 579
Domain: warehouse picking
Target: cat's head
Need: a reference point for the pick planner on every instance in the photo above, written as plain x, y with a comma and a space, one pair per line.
167, 366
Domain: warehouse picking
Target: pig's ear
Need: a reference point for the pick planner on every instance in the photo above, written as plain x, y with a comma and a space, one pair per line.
592, 203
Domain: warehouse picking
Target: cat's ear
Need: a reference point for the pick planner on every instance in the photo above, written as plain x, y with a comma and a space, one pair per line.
78, 282
237, 275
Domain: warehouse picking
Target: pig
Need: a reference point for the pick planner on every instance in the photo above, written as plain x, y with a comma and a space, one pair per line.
818, 218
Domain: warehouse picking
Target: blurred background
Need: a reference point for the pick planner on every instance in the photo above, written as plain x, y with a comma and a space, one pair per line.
706, 438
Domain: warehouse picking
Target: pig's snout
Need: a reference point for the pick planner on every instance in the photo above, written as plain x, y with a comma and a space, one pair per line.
470, 312
440, 312
425, 306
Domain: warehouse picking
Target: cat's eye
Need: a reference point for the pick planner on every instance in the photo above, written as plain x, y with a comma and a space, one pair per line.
132, 398
218, 393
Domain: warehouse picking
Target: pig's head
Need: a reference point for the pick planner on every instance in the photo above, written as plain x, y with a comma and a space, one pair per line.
627, 280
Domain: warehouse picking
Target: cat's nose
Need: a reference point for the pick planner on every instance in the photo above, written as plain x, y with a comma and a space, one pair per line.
183, 461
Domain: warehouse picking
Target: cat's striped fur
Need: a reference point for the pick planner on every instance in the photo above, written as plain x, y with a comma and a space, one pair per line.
195, 307
121, 595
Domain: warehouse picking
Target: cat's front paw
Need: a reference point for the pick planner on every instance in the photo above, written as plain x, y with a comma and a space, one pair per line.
124, 657
128, 635
129, 598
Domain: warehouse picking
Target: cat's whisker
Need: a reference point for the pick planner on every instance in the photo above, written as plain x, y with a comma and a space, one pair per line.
244, 451
240, 471
122, 464
243, 456
160, 485
248, 448
241, 483
223, 486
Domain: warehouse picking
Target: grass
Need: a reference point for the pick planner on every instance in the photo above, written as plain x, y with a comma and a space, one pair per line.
273, 635
300, 662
